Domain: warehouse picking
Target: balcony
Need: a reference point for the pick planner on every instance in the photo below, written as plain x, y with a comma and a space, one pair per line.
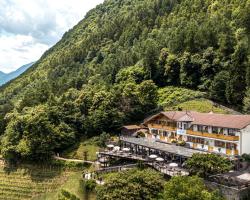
164, 127
213, 135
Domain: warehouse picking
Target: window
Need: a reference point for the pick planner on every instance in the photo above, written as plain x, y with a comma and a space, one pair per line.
200, 128
179, 125
190, 139
184, 126
154, 131
231, 146
205, 129
200, 140
215, 129
231, 132
220, 130
165, 133
219, 144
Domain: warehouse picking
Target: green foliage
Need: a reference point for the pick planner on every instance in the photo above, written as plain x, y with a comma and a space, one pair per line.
202, 105
106, 70
246, 157
90, 146
188, 188
35, 134
69, 165
171, 96
65, 195
247, 101
103, 139
132, 184
219, 85
29, 182
89, 185
204, 165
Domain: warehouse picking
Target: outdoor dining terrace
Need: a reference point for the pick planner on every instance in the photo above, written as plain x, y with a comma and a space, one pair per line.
161, 161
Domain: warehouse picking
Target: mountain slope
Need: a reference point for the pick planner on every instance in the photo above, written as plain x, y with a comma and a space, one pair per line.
4, 78
2, 75
106, 70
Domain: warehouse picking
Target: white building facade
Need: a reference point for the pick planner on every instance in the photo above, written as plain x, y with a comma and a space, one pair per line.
218, 133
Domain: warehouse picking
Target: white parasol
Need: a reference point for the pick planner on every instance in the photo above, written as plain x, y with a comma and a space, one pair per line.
159, 159
110, 146
153, 156
117, 148
126, 149
173, 165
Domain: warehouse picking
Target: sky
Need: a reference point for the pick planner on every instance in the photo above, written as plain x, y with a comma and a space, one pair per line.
29, 27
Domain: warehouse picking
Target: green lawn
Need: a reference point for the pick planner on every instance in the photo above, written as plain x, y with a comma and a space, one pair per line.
177, 98
78, 150
171, 96
200, 105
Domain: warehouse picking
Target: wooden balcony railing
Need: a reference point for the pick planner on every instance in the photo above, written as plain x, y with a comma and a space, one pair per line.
160, 126
213, 135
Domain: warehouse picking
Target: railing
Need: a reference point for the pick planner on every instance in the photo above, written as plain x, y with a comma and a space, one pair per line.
116, 168
161, 126
213, 135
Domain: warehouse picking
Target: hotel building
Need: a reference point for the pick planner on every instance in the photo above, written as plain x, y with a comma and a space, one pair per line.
218, 133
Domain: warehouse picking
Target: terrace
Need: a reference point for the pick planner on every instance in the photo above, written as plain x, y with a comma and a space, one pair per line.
163, 148
166, 158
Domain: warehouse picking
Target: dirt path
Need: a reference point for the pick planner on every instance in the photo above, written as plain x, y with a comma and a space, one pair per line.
74, 160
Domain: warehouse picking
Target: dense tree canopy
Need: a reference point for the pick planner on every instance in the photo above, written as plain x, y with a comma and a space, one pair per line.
188, 188
208, 164
106, 70
132, 185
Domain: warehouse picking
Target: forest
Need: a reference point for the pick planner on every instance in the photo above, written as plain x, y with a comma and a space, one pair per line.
107, 70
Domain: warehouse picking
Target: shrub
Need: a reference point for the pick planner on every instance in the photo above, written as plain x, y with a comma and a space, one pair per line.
208, 164
65, 195
89, 185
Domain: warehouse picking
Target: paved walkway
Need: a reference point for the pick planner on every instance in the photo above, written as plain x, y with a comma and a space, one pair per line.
74, 160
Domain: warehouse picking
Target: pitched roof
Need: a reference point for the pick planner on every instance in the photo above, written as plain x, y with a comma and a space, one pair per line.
209, 119
131, 127
186, 118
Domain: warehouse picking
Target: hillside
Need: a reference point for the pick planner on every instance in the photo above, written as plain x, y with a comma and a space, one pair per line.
177, 98
2, 75
4, 78
106, 71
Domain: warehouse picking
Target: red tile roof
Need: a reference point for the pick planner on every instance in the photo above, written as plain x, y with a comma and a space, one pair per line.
212, 119
209, 119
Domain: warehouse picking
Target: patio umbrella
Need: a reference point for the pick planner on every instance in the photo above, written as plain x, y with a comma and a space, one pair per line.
103, 159
117, 148
173, 165
159, 159
153, 156
110, 145
126, 149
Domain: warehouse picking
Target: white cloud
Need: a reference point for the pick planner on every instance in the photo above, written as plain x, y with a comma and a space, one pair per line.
16, 50
29, 27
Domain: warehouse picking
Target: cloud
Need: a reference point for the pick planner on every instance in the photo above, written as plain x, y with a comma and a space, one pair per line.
32, 26
16, 50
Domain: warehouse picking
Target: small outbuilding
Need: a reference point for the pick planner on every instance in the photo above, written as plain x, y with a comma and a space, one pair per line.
129, 130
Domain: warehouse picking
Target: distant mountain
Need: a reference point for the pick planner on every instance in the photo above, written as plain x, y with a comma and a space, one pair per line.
4, 78
2, 75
